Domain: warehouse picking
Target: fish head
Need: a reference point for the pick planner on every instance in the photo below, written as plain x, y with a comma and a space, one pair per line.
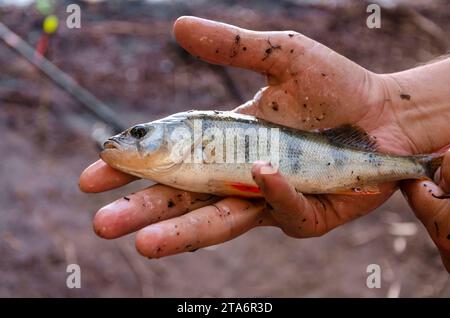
139, 150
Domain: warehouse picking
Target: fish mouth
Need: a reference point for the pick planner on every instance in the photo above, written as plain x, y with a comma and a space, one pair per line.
111, 144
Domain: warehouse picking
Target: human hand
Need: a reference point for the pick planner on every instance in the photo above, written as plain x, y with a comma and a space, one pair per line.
309, 87
432, 212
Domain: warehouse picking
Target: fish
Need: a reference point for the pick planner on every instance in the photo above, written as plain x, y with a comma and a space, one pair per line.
213, 152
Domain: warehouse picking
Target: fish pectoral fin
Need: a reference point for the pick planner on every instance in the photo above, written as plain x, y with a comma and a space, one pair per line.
234, 188
165, 168
364, 190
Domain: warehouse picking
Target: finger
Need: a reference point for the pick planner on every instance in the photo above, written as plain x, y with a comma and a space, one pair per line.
421, 196
311, 215
220, 43
156, 203
290, 209
206, 226
432, 212
100, 177
443, 173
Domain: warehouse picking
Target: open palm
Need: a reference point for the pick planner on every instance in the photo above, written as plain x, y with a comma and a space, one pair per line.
309, 87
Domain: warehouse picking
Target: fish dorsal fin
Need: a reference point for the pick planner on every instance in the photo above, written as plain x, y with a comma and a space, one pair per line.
351, 136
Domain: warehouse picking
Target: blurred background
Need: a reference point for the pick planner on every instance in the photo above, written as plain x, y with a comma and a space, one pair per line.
125, 55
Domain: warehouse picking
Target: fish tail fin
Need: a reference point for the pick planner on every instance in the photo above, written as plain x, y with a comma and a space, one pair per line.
431, 164
433, 161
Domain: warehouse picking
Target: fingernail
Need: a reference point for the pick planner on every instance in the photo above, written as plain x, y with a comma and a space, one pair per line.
118, 205
438, 176
268, 168
256, 172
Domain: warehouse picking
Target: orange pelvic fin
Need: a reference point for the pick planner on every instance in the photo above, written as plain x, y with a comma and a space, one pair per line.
245, 187
223, 187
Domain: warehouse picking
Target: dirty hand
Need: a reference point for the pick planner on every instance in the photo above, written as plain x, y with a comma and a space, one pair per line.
434, 214
309, 87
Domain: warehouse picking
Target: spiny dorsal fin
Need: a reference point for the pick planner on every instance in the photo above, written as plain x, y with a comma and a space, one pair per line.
351, 136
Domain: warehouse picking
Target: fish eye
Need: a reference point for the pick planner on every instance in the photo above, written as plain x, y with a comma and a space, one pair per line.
138, 131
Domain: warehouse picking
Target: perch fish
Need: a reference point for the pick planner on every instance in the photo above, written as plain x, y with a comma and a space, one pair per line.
212, 152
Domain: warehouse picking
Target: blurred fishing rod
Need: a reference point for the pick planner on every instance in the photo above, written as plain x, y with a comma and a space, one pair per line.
99, 109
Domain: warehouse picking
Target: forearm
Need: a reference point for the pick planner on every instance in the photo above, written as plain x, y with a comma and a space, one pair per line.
420, 101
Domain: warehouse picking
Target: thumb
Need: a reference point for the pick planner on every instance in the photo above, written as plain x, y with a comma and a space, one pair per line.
291, 209
443, 173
